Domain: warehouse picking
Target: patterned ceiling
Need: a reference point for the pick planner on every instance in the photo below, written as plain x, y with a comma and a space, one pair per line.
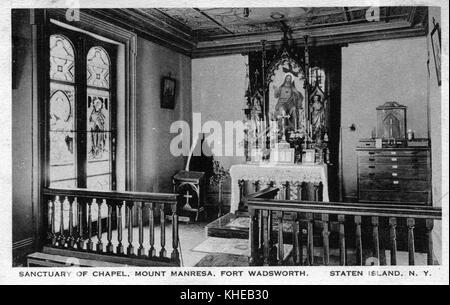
212, 23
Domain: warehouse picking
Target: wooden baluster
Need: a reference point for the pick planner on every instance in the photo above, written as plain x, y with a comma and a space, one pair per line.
310, 238
280, 238
119, 249
71, 238
151, 228
376, 239
175, 255
359, 248
254, 237
89, 244
52, 236
130, 248
326, 242
298, 185
109, 246
80, 239
99, 226
288, 190
241, 184
410, 222
429, 223
162, 252
316, 191
393, 238
62, 238
342, 248
141, 249
265, 243
273, 249
297, 240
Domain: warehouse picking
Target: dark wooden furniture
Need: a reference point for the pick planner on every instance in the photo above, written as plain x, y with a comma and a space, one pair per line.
362, 226
72, 229
400, 175
189, 185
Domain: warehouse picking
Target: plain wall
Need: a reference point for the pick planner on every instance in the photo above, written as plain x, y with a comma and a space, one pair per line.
218, 93
155, 165
372, 74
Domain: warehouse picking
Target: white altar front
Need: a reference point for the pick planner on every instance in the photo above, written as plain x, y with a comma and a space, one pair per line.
278, 175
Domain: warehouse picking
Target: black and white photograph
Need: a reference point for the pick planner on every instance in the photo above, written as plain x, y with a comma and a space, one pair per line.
205, 144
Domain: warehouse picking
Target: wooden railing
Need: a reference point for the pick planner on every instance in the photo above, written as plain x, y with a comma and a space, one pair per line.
78, 218
354, 224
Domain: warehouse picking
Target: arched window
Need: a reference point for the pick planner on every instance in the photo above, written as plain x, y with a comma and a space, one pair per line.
82, 114
62, 112
98, 169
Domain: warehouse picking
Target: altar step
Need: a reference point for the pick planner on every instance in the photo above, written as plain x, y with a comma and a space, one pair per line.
229, 226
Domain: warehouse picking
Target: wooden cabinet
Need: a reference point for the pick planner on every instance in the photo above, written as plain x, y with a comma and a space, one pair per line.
400, 175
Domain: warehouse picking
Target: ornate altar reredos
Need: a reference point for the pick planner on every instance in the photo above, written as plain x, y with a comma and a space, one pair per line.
287, 107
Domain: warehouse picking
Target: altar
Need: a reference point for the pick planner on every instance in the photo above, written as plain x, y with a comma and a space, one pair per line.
290, 179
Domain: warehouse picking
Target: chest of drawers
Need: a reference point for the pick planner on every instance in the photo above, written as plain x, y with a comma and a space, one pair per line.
400, 175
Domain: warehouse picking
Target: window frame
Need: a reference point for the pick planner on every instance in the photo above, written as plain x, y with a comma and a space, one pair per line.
82, 43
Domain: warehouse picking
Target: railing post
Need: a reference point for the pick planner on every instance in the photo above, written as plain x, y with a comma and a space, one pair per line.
89, 244
297, 240
325, 237
310, 238
410, 222
71, 239
130, 248
61, 237
99, 226
175, 255
342, 247
141, 249
429, 225
119, 249
253, 237
151, 229
298, 185
280, 238
80, 239
265, 229
376, 239
54, 238
109, 246
393, 238
359, 248
162, 252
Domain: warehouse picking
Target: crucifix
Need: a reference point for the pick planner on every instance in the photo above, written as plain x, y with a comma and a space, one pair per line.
187, 196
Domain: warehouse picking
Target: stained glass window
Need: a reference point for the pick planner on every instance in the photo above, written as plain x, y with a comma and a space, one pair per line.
62, 102
98, 68
62, 58
98, 120
80, 131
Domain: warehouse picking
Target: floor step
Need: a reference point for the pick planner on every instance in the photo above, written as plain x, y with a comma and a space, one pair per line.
39, 259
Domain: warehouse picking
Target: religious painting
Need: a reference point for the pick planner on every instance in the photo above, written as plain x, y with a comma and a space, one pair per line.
436, 46
168, 86
287, 94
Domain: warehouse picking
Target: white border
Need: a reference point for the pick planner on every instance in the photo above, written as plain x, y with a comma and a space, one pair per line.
320, 275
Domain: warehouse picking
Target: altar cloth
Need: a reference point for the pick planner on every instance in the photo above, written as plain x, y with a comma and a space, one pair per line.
278, 174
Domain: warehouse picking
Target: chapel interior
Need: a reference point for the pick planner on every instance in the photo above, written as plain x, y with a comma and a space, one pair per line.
335, 158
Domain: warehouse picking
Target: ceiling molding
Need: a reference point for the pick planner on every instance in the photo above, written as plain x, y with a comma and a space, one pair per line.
158, 26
